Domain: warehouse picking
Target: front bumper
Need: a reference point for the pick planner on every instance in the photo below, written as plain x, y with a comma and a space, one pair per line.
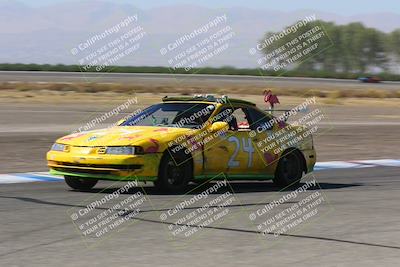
105, 167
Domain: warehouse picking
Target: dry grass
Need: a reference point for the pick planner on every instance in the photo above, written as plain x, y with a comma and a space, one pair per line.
47, 97
188, 90
94, 92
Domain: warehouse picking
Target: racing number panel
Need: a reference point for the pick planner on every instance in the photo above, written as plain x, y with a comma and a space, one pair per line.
235, 152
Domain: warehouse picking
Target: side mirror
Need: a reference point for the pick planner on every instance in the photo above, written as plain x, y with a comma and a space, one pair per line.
219, 125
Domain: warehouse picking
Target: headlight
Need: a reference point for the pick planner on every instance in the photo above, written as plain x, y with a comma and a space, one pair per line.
124, 150
58, 147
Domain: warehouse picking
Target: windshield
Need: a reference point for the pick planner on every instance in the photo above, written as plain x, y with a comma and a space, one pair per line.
181, 115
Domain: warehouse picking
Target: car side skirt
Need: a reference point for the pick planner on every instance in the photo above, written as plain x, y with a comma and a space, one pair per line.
154, 178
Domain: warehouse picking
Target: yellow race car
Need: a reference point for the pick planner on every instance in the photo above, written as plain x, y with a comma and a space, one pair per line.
187, 139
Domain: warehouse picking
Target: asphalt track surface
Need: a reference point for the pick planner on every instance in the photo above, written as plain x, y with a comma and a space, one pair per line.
357, 226
73, 77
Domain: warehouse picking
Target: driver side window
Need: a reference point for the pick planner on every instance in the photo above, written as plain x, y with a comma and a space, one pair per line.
242, 119
236, 118
259, 119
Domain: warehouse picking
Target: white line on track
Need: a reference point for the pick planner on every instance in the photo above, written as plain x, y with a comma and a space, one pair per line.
13, 178
355, 164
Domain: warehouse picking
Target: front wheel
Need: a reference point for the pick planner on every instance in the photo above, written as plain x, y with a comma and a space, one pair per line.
289, 170
80, 183
175, 173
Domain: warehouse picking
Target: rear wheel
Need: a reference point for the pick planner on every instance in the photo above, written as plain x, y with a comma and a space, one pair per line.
289, 170
80, 183
175, 172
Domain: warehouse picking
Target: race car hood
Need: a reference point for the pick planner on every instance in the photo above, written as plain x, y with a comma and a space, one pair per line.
125, 136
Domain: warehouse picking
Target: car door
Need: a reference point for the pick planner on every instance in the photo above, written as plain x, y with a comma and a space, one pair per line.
233, 152
262, 127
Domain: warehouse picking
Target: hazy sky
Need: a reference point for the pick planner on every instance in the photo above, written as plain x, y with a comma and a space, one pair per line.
341, 7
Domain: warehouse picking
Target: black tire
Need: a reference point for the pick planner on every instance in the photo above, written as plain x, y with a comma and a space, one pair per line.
175, 173
80, 184
289, 170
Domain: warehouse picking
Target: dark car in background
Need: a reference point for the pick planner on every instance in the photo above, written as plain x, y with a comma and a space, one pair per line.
370, 79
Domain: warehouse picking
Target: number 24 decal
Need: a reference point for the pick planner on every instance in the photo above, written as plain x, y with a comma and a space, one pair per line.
247, 147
